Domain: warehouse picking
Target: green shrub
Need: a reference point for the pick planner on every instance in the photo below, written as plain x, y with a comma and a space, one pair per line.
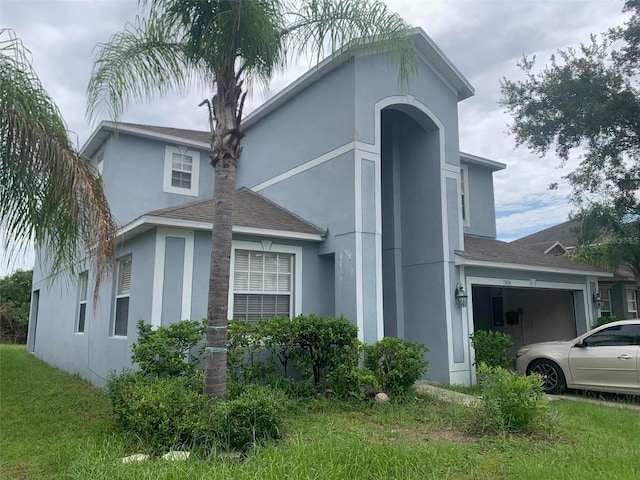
247, 358
170, 412
492, 348
163, 412
168, 351
279, 336
320, 344
396, 363
509, 401
347, 380
605, 320
254, 416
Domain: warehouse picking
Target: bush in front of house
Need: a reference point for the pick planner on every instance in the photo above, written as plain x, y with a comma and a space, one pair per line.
396, 363
350, 381
321, 344
492, 348
171, 350
509, 401
165, 413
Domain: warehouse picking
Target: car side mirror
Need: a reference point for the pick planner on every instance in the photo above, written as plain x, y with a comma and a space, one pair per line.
581, 344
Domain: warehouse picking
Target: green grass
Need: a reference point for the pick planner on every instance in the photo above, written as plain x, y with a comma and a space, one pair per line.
53, 425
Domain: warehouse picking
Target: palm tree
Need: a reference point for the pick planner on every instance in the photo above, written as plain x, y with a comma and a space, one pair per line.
230, 46
48, 193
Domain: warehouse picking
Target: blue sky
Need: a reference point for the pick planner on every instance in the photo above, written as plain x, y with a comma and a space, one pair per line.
484, 39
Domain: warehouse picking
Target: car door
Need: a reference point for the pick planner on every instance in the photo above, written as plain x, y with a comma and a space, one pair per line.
607, 359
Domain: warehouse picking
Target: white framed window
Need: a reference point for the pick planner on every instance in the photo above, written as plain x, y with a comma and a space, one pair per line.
464, 195
605, 299
181, 171
632, 302
264, 282
121, 304
82, 302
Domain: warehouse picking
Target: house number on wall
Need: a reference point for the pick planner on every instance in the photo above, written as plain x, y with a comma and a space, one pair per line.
507, 282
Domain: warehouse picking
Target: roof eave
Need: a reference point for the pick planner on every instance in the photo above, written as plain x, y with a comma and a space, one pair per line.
462, 261
145, 222
103, 130
485, 162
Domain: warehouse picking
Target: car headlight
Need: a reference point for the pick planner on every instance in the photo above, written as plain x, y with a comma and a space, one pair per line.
522, 351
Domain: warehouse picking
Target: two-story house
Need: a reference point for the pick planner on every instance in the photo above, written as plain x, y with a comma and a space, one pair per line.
353, 199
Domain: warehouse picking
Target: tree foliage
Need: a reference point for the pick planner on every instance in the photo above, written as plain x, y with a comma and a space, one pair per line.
15, 300
229, 46
48, 193
586, 100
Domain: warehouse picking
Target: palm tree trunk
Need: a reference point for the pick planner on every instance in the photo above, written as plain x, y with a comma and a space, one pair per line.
225, 116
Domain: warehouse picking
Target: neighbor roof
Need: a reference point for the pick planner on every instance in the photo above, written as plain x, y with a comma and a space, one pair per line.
250, 210
489, 250
566, 233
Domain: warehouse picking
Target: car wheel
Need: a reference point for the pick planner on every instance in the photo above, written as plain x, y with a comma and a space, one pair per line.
551, 373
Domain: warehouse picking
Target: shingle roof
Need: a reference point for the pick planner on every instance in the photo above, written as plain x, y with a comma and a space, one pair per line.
250, 210
490, 250
196, 135
566, 233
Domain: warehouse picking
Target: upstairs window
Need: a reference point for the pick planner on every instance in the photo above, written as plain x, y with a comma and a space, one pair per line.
123, 290
262, 285
82, 307
181, 170
464, 195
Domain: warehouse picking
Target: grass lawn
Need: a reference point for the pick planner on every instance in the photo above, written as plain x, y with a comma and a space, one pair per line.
53, 425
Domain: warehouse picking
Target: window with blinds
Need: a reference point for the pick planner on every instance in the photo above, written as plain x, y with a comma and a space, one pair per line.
262, 285
82, 309
605, 296
123, 288
464, 196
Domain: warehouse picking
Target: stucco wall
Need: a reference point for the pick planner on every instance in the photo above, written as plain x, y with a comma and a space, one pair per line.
133, 173
482, 211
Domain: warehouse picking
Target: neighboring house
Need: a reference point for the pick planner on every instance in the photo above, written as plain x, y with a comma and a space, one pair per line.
619, 294
354, 200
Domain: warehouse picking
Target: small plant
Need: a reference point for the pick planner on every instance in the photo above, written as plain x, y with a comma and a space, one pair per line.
509, 401
492, 348
168, 351
396, 363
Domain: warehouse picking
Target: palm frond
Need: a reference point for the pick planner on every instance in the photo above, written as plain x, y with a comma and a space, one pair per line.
48, 193
146, 60
352, 25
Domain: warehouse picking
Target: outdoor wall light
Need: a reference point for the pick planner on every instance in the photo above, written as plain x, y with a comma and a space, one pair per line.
597, 300
461, 296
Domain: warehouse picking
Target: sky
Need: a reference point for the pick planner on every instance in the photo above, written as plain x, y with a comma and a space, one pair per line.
484, 40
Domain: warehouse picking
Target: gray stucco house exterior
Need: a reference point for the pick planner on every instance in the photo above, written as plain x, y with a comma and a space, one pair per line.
353, 199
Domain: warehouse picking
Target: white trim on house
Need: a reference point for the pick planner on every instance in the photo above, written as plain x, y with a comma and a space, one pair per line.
158, 273
294, 250
156, 221
485, 162
167, 187
528, 268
